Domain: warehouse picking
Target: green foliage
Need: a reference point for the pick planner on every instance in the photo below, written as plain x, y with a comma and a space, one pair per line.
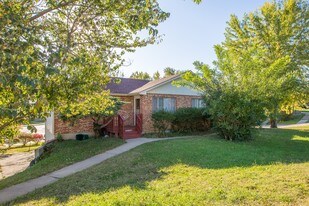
156, 75
162, 121
234, 110
181, 121
59, 137
168, 71
234, 114
266, 52
261, 66
56, 53
9, 134
140, 75
190, 120
98, 107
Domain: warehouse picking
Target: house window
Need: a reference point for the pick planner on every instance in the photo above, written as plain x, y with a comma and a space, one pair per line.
166, 104
197, 103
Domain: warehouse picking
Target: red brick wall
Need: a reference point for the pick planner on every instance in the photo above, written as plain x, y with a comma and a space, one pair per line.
146, 107
127, 110
85, 125
82, 125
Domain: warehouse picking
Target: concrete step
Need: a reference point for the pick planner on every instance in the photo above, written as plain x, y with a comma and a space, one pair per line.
131, 134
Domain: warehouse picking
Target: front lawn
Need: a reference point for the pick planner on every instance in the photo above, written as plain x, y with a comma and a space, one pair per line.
63, 154
270, 170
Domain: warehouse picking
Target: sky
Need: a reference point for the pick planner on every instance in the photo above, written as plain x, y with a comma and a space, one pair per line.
190, 34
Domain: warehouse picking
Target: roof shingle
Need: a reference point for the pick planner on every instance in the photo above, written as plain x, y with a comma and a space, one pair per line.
125, 86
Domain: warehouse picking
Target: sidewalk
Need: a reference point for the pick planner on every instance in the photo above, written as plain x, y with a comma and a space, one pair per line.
303, 122
15, 191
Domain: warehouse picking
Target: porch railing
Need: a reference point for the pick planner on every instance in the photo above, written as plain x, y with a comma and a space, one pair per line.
111, 125
120, 126
139, 123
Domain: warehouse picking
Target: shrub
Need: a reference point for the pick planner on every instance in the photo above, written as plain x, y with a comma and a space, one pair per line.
37, 137
59, 137
190, 120
25, 138
162, 121
234, 114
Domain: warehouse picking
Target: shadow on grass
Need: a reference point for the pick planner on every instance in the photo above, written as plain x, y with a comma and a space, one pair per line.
146, 163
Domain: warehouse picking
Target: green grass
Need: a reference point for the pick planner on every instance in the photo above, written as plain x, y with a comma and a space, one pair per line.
270, 170
295, 119
63, 154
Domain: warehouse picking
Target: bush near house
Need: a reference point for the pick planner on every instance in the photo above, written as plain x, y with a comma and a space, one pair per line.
181, 121
162, 121
235, 114
190, 120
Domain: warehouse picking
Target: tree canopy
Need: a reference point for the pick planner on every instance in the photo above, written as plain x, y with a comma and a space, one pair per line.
140, 75
261, 65
56, 53
266, 52
156, 75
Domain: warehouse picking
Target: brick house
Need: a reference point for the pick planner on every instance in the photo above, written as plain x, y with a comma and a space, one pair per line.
141, 98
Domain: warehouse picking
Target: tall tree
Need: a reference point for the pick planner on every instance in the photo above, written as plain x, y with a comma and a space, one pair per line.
234, 111
55, 53
156, 75
168, 71
140, 75
266, 52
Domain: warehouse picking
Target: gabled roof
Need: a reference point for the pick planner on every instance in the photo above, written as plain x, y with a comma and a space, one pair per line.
125, 86
154, 84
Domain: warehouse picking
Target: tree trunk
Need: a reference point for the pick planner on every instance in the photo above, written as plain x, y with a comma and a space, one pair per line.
273, 123
96, 129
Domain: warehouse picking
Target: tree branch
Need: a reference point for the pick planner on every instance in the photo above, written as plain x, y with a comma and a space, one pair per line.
6, 124
42, 13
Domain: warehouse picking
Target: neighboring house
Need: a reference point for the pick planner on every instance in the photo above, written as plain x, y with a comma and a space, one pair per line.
142, 97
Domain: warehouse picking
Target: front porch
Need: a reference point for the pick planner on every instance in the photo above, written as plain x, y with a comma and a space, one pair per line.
118, 127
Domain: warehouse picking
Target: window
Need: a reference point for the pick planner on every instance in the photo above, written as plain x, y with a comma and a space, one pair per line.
197, 103
166, 104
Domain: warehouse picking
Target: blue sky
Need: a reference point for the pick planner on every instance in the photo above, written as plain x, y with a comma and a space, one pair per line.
189, 34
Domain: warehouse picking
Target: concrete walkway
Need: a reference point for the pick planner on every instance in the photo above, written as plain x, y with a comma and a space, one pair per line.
305, 118
288, 125
15, 191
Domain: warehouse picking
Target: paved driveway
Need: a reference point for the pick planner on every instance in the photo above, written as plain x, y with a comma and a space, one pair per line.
14, 163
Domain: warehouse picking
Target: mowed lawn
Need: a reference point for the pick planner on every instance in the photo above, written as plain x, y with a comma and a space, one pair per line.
63, 154
272, 169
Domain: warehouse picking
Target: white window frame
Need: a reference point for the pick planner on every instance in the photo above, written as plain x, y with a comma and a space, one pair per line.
197, 103
161, 103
